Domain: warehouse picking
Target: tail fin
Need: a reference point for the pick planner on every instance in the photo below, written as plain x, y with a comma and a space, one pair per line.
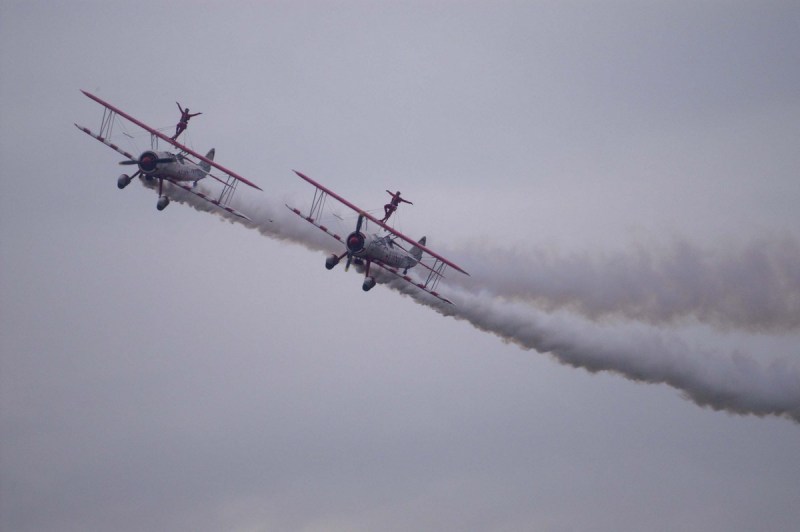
416, 252
210, 156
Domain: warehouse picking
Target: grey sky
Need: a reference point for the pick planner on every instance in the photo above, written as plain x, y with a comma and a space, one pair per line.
168, 371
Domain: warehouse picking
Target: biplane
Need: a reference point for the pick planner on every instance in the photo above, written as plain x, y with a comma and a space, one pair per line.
182, 168
393, 251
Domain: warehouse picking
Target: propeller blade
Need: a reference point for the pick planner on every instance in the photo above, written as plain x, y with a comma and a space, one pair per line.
358, 224
163, 160
349, 259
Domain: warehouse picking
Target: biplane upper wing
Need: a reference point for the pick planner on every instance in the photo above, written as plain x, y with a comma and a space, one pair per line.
411, 242
166, 139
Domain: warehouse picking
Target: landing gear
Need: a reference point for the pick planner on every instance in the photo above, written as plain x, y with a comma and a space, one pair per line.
163, 201
123, 181
369, 283
331, 262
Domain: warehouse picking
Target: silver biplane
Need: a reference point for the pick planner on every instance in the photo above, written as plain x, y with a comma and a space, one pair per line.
393, 251
182, 168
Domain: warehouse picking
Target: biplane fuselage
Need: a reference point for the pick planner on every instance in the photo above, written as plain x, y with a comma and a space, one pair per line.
375, 248
171, 166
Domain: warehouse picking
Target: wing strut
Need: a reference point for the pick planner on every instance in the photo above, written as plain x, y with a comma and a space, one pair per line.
435, 274
317, 205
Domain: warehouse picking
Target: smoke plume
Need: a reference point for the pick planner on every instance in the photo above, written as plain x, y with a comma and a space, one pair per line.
755, 288
615, 313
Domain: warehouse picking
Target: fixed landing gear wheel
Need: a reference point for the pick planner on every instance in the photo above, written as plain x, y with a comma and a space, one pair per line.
123, 181
369, 283
331, 262
163, 201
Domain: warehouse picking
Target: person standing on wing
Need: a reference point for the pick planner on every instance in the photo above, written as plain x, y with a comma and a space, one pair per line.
390, 207
183, 123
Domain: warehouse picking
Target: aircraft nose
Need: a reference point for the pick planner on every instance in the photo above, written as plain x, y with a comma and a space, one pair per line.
147, 162
355, 242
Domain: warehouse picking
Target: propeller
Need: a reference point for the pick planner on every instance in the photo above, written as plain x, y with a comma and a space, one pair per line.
158, 161
355, 242
148, 161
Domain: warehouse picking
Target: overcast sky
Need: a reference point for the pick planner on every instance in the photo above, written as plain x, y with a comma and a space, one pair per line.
620, 179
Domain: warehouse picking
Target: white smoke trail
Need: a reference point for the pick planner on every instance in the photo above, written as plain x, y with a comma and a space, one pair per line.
755, 288
735, 382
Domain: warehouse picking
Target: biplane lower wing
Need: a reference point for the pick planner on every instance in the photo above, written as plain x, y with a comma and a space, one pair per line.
313, 222
211, 200
409, 280
106, 142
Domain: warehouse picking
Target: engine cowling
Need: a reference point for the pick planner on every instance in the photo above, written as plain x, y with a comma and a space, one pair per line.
148, 162
355, 242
